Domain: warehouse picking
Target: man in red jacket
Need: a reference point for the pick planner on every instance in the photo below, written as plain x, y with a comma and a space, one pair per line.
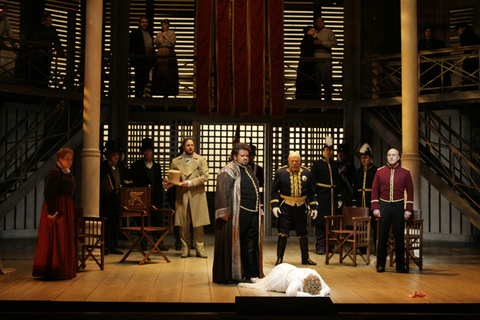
388, 203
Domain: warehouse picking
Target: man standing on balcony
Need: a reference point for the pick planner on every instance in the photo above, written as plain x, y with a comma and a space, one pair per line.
45, 38
141, 44
388, 204
324, 41
5, 26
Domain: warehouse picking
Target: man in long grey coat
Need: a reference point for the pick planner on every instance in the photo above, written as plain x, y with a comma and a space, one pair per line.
191, 199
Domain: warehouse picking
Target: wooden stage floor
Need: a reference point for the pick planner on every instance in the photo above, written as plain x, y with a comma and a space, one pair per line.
451, 275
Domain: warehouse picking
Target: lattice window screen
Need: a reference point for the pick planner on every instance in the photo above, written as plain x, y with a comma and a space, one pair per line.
216, 143
307, 139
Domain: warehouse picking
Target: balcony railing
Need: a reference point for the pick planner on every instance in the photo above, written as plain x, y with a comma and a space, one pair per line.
439, 71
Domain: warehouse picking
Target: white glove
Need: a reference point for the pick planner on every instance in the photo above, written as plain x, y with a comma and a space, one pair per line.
314, 214
276, 211
339, 204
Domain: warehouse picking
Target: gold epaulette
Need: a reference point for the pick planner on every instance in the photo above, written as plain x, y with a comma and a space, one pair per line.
405, 168
380, 168
283, 167
305, 168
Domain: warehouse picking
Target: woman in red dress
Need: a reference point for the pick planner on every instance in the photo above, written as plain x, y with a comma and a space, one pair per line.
55, 255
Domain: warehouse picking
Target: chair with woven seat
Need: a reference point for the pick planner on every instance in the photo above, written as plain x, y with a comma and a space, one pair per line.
135, 202
89, 238
353, 227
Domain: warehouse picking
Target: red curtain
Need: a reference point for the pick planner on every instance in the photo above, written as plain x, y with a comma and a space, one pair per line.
240, 55
240, 27
223, 58
203, 53
276, 53
257, 58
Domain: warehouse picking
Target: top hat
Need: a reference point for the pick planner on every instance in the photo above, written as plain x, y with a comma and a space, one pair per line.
174, 176
366, 150
112, 146
147, 143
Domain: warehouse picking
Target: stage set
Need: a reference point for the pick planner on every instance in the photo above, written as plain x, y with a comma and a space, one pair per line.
183, 288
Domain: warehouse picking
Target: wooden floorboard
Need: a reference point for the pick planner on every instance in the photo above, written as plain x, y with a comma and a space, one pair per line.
451, 274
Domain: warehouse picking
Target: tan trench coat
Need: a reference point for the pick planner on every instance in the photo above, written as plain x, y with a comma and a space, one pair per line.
197, 173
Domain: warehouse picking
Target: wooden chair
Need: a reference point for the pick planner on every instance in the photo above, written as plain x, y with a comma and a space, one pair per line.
413, 238
136, 203
89, 237
357, 234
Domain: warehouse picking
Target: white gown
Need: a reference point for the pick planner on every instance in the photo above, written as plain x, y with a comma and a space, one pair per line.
287, 278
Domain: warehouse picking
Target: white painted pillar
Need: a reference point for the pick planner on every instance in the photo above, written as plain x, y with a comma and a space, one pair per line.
410, 156
90, 192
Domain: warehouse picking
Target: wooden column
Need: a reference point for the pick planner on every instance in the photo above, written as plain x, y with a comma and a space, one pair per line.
119, 67
410, 156
90, 192
352, 115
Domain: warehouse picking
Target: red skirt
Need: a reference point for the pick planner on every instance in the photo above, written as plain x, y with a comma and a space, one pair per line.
55, 257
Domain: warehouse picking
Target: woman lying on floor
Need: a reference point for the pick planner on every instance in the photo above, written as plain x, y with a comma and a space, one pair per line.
295, 282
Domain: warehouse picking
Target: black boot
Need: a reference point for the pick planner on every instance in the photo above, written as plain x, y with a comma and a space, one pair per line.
250, 260
281, 245
304, 250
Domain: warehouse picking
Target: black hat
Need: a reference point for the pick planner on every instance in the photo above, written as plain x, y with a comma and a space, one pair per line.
328, 142
306, 29
147, 143
366, 150
343, 148
112, 146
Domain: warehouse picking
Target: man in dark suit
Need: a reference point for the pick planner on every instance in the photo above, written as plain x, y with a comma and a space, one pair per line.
362, 186
141, 43
146, 172
110, 200
325, 176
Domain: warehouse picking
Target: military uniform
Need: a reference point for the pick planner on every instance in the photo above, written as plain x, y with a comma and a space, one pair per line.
388, 193
325, 175
293, 192
362, 193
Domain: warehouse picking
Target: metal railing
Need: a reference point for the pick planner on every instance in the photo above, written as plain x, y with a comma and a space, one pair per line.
439, 71
34, 139
444, 151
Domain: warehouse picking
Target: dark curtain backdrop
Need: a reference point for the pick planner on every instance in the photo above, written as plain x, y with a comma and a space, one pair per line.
240, 56
203, 44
